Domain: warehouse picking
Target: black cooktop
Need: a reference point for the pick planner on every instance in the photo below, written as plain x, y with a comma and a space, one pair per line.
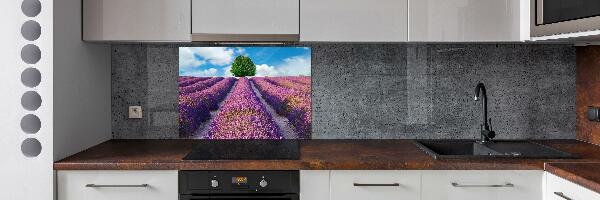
245, 150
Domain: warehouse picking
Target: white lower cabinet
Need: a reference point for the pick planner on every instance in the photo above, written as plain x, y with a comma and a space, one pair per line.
314, 184
117, 185
375, 185
341, 185
482, 185
560, 189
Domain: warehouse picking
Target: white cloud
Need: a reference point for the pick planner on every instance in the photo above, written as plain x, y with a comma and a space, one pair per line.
261, 70
219, 56
294, 66
215, 55
266, 70
187, 59
227, 71
201, 73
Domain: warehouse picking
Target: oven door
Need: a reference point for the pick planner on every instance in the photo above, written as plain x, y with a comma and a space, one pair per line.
551, 17
241, 196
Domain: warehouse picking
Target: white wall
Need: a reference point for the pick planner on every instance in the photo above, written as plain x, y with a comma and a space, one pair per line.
81, 84
22, 177
77, 74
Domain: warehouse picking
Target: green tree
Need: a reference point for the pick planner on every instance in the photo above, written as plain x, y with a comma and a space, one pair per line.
243, 66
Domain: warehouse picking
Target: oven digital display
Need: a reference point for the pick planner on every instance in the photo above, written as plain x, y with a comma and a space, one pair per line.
239, 180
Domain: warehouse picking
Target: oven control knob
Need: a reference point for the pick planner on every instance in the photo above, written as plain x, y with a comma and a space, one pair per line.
214, 183
263, 183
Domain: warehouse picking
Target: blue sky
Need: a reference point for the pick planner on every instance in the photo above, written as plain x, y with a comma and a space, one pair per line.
270, 61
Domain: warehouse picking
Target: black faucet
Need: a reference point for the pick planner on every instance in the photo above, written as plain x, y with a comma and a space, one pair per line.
487, 134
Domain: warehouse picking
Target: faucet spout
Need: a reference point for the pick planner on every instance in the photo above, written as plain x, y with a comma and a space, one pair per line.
480, 94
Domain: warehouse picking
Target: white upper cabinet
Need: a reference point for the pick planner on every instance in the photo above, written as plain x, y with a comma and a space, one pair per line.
136, 20
245, 20
354, 20
468, 20
307, 20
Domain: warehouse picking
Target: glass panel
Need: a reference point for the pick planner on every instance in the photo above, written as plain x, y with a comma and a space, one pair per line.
561, 10
245, 92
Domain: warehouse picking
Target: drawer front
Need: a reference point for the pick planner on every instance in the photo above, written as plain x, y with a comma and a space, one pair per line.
482, 185
560, 189
117, 185
375, 185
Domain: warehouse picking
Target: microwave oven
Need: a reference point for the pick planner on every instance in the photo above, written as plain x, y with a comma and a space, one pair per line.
554, 17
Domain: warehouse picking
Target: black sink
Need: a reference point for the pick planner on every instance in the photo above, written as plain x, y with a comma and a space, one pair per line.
468, 149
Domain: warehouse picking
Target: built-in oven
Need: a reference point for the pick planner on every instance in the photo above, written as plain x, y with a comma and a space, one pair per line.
552, 17
238, 185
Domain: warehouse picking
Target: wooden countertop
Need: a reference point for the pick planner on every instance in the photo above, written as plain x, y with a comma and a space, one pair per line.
331, 155
314, 155
584, 174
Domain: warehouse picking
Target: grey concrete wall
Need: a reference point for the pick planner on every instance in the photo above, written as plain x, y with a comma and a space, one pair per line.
373, 91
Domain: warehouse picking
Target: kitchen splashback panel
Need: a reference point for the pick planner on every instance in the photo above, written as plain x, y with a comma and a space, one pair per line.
244, 93
376, 91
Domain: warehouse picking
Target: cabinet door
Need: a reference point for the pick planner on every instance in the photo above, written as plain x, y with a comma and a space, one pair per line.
136, 20
354, 20
468, 21
117, 185
482, 185
314, 185
375, 185
560, 189
245, 20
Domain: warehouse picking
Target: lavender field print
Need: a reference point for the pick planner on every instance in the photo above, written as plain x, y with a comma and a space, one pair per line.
244, 92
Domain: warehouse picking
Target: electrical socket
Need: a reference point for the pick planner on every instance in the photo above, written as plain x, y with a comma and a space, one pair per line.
135, 112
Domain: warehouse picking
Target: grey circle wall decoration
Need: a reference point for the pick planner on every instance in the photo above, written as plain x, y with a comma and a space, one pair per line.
31, 54
31, 8
31, 147
31, 124
31, 100
31, 30
31, 77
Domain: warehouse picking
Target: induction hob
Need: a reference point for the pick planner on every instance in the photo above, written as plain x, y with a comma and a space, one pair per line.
245, 150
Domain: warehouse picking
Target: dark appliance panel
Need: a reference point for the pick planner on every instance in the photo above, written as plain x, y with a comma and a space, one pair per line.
554, 11
234, 185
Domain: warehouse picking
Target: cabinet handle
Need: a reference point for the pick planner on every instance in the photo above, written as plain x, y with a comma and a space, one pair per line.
562, 195
376, 184
469, 186
115, 186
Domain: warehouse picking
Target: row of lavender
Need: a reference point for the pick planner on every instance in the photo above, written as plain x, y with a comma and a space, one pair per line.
243, 116
197, 97
290, 97
188, 80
